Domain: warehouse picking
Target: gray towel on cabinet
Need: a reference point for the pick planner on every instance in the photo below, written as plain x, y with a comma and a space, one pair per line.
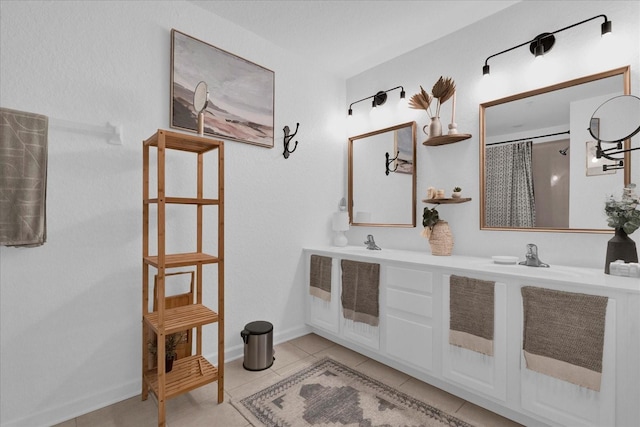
23, 178
471, 314
360, 291
320, 277
563, 334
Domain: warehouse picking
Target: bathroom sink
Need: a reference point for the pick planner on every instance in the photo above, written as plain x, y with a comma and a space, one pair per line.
360, 250
553, 272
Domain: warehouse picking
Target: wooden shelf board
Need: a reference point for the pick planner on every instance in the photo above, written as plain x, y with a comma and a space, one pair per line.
186, 201
446, 139
182, 318
448, 200
184, 142
182, 260
185, 376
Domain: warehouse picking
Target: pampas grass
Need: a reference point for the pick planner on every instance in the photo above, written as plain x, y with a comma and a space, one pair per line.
442, 90
421, 101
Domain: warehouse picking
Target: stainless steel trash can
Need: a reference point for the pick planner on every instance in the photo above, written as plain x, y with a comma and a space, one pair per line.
258, 345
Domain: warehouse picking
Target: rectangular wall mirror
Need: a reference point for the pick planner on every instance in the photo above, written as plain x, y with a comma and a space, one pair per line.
538, 171
382, 177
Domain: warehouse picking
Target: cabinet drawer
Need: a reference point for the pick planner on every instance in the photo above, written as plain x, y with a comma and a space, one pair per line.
415, 280
421, 305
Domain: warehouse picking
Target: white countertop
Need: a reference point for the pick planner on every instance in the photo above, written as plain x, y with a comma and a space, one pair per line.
555, 273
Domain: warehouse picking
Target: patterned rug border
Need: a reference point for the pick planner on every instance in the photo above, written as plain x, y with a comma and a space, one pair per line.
271, 420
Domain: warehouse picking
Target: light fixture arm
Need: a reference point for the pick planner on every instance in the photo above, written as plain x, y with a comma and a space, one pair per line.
378, 98
582, 22
605, 28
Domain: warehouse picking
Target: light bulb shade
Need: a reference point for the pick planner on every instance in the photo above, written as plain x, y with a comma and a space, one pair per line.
350, 112
402, 94
539, 51
605, 28
485, 70
340, 221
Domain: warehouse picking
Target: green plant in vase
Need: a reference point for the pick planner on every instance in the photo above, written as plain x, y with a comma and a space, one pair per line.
430, 218
170, 345
457, 192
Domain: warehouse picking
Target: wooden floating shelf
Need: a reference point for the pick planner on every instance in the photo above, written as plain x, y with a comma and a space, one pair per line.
182, 318
187, 374
446, 139
448, 201
182, 260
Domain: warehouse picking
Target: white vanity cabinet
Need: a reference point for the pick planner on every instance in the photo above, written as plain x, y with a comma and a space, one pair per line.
324, 314
409, 320
413, 334
568, 404
472, 370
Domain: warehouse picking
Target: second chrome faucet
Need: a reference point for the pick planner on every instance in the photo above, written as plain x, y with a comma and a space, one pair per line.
531, 257
371, 244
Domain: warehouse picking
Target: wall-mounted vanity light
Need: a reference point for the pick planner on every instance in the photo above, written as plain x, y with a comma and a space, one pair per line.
377, 99
543, 43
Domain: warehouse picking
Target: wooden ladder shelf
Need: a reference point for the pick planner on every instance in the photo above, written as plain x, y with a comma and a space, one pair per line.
191, 371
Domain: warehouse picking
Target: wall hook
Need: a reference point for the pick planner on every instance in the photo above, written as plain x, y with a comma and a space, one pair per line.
389, 161
287, 140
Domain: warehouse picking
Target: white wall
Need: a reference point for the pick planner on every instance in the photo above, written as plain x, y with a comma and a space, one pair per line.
71, 309
578, 52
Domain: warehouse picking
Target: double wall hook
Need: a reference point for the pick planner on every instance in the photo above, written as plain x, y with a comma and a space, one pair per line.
389, 161
287, 140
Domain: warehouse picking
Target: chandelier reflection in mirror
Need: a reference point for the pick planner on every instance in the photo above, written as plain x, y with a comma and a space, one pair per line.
616, 120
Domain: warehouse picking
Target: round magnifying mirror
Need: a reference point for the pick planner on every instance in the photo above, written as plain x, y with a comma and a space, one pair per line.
200, 97
616, 119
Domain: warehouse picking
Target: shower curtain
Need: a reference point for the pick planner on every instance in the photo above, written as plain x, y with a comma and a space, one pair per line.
509, 186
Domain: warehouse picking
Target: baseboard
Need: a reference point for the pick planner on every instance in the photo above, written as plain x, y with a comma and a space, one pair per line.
59, 414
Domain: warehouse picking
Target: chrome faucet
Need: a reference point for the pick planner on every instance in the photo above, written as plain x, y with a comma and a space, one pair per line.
371, 244
531, 256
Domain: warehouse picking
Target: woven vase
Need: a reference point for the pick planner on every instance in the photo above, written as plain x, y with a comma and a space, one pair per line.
441, 240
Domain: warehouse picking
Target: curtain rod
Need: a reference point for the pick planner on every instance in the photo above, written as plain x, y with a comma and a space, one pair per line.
526, 139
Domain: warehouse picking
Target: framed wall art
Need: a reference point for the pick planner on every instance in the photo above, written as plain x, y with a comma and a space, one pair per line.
240, 104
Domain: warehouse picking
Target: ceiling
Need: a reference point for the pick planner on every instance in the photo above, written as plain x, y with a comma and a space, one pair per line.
349, 37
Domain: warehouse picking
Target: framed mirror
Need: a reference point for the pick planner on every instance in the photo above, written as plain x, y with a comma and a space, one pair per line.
382, 177
538, 170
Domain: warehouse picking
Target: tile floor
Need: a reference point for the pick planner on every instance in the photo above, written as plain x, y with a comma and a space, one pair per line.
200, 407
